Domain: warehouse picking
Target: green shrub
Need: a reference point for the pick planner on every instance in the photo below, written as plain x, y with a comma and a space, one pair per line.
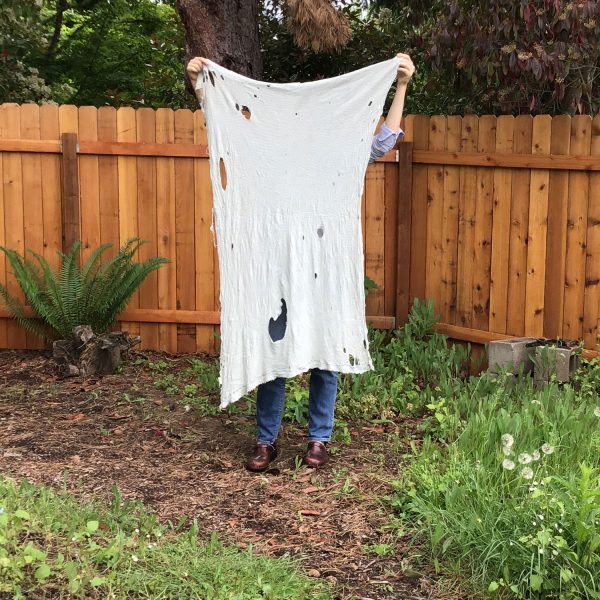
92, 295
51, 545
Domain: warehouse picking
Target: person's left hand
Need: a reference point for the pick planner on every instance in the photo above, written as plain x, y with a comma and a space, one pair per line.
406, 68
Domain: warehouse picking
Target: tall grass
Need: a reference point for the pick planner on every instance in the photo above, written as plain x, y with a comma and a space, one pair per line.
506, 488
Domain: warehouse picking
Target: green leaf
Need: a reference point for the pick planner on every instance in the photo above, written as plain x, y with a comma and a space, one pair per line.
494, 585
92, 526
22, 514
97, 581
42, 572
535, 581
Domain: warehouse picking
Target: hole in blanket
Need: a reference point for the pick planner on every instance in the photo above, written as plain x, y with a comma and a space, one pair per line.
315, 275
246, 112
365, 343
351, 359
212, 78
370, 102
237, 106
223, 172
320, 231
277, 326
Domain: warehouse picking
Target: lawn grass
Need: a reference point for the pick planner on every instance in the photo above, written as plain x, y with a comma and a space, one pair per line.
50, 544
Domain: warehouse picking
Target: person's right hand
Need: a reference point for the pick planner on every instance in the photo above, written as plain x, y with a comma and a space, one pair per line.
194, 67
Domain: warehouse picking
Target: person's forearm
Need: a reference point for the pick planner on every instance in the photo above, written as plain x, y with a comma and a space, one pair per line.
394, 115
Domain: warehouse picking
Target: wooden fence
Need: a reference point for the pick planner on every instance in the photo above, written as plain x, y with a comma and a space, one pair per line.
496, 219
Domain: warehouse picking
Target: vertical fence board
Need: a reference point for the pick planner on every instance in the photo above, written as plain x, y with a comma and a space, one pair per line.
203, 244
519, 222
51, 190
448, 274
165, 228
466, 225
4, 340
556, 242
499, 273
128, 197
146, 167
404, 229
581, 134
418, 238
591, 311
482, 234
109, 182
33, 226
10, 127
537, 231
390, 222
89, 185
184, 224
374, 238
435, 207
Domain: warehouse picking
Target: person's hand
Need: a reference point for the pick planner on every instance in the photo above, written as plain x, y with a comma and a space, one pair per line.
194, 67
405, 68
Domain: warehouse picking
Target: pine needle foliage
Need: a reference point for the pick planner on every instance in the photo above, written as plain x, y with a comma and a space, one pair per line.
91, 295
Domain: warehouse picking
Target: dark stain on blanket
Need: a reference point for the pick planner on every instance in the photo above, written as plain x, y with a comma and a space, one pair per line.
278, 326
320, 231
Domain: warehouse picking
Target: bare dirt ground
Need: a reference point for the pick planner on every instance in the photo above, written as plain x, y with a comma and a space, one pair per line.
122, 430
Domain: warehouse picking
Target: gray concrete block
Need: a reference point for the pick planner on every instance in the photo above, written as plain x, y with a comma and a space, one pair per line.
563, 363
510, 354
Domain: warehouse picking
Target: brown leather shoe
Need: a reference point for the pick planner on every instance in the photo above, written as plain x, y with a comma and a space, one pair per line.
316, 455
262, 457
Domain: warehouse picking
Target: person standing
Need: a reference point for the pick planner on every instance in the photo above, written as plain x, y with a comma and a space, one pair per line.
270, 399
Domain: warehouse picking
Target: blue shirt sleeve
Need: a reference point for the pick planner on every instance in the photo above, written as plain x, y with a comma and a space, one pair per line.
383, 142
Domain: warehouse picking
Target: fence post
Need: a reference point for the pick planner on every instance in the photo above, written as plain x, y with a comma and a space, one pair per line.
70, 191
404, 226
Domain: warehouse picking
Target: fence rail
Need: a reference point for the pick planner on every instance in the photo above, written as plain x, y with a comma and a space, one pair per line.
495, 218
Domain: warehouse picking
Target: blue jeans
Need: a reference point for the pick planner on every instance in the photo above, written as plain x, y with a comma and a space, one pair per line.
270, 400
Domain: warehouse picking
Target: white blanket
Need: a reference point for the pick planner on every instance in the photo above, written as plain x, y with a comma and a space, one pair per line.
287, 164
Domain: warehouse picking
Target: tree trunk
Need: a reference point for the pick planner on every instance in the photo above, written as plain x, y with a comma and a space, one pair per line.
226, 31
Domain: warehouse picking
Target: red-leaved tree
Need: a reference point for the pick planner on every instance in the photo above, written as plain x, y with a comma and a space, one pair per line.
523, 56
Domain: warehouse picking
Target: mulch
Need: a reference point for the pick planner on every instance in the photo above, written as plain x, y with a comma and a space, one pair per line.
182, 464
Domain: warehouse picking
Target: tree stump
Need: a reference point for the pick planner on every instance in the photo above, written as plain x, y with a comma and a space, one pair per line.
87, 354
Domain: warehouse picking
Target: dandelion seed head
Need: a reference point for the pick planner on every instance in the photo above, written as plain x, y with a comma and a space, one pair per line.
547, 449
597, 411
535, 455
508, 440
134, 558
509, 465
527, 473
525, 458
507, 450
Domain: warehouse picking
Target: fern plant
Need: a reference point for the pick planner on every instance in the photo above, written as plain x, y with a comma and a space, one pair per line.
91, 295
